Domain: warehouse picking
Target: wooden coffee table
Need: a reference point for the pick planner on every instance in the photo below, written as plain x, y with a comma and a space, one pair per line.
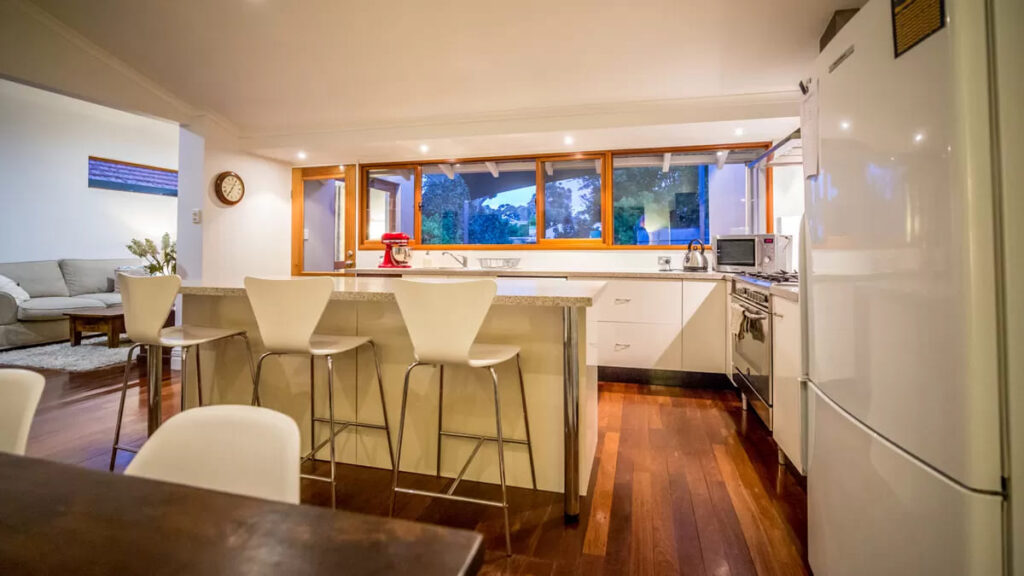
109, 321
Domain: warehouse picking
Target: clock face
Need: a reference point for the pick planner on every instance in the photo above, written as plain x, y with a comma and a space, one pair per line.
229, 188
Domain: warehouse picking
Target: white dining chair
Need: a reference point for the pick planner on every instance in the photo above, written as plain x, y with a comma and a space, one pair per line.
443, 320
238, 449
20, 391
147, 301
287, 313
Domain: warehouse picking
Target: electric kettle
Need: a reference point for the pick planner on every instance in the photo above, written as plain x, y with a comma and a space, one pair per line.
694, 261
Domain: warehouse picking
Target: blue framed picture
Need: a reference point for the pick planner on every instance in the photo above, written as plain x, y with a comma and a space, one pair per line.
117, 175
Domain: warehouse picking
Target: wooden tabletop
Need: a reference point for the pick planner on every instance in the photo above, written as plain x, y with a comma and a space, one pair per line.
59, 519
96, 312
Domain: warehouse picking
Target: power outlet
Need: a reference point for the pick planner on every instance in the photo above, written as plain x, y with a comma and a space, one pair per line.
197, 216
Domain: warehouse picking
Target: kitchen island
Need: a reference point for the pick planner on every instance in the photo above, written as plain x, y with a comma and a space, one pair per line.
545, 317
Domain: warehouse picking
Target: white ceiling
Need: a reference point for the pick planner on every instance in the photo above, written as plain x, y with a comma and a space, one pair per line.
280, 68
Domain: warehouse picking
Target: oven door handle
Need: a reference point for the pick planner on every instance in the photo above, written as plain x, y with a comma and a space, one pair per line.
754, 315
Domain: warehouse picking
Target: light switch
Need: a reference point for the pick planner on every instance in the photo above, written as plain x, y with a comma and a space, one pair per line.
305, 233
197, 216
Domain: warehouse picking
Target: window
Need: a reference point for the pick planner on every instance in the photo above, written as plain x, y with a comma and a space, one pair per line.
625, 199
671, 198
323, 224
479, 203
572, 198
659, 200
390, 203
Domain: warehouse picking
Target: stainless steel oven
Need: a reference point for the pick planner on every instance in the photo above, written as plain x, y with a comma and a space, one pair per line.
752, 348
764, 253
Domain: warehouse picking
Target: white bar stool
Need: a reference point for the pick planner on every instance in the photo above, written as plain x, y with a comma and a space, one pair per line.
19, 396
287, 312
443, 320
147, 300
238, 449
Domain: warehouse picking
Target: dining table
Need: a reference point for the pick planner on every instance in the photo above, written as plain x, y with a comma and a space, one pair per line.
62, 519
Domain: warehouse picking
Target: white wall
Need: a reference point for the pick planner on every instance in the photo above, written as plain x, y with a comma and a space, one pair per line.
253, 237
47, 210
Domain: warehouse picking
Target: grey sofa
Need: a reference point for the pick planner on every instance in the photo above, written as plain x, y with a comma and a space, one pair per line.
54, 287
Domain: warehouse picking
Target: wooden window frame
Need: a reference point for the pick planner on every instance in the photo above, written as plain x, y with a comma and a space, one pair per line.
299, 178
606, 242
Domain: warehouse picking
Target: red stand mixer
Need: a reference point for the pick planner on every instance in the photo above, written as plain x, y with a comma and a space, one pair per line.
396, 251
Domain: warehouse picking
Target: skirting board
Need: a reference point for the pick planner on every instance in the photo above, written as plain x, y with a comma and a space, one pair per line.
663, 377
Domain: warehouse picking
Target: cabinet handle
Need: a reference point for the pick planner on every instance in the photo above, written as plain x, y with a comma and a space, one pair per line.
777, 315
623, 300
621, 347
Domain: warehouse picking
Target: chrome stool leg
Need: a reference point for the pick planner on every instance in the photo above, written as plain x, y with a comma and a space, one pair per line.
440, 419
526, 421
383, 403
312, 403
330, 410
120, 407
501, 461
184, 375
401, 429
199, 379
259, 372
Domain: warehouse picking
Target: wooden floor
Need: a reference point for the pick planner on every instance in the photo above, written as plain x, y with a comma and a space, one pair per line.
685, 482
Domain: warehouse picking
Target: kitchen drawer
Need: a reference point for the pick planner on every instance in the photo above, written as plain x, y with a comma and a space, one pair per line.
643, 301
632, 345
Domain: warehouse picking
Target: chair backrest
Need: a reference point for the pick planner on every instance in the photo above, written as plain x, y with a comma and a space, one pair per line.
19, 395
147, 300
238, 449
443, 318
287, 311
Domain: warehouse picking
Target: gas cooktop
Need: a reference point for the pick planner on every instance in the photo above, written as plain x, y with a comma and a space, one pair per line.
766, 279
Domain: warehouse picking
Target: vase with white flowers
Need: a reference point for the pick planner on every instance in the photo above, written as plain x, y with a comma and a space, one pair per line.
158, 260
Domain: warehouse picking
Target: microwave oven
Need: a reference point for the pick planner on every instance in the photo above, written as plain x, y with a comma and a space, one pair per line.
764, 253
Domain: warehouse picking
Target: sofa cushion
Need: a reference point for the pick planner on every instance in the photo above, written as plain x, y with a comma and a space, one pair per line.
53, 307
108, 298
92, 276
11, 287
39, 279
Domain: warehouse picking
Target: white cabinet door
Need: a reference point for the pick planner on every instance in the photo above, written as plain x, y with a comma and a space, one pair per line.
630, 345
705, 329
789, 399
645, 301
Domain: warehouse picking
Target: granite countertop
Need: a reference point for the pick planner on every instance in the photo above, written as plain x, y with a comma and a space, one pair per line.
511, 291
787, 291
522, 272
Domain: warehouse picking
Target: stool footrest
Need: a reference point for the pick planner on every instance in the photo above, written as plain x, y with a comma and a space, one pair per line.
123, 449
320, 420
315, 477
318, 447
479, 437
494, 503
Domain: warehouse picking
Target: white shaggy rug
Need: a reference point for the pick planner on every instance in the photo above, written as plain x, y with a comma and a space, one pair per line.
91, 354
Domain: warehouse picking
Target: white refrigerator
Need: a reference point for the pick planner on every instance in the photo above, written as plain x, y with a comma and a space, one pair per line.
904, 405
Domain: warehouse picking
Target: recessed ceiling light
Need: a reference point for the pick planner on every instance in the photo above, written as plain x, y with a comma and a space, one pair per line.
301, 155
568, 140
424, 148
844, 125
919, 137
738, 131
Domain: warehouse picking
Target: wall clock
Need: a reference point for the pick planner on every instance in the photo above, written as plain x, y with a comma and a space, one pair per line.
229, 188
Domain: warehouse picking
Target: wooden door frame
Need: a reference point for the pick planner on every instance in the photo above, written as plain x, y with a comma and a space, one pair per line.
299, 177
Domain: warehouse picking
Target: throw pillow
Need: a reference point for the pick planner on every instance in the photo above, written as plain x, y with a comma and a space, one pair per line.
11, 287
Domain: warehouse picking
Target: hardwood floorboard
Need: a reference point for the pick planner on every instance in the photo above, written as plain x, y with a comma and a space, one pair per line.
684, 482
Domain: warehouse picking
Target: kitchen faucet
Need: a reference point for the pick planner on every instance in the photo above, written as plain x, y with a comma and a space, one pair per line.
462, 260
